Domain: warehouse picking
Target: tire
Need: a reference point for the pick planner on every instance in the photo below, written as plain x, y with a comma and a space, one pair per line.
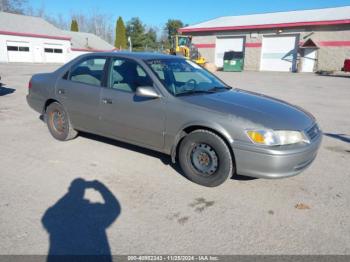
57, 121
205, 158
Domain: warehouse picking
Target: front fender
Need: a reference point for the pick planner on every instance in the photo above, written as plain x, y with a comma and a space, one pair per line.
181, 133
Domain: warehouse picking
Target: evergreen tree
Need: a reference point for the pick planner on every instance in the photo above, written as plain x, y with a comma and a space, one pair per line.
151, 39
74, 26
136, 31
120, 34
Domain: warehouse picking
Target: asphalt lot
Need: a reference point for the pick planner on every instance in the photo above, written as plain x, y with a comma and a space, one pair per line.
161, 211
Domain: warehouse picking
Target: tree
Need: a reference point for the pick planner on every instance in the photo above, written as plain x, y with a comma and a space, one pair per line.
120, 34
172, 26
96, 23
74, 26
13, 6
136, 31
58, 21
151, 39
100, 25
163, 41
39, 12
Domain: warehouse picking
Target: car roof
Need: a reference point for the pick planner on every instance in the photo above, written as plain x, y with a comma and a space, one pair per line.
138, 55
144, 56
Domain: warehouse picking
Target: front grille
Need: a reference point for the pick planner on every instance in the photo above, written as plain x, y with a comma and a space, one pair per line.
313, 132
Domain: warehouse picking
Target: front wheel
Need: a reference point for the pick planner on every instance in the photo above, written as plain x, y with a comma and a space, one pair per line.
57, 120
205, 158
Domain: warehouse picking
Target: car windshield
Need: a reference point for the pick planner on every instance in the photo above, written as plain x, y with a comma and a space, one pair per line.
184, 77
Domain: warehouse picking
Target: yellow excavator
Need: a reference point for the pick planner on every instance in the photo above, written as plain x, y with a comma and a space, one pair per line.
181, 45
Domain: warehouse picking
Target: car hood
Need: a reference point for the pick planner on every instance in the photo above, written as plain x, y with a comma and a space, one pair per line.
254, 109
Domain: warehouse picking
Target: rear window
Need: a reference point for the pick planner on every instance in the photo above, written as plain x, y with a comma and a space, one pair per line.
89, 71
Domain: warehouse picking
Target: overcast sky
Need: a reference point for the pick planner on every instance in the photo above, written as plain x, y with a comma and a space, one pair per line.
156, 12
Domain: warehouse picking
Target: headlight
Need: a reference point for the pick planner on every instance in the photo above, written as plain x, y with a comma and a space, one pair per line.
276, 138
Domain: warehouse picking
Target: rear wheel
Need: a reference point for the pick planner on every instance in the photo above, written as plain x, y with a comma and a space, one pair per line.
205, 158
57, 120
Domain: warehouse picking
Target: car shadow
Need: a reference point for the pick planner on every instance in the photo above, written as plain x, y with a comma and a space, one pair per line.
6, 90
77, 227
243, 178
331, 74
165, 159
42, 118
342, 137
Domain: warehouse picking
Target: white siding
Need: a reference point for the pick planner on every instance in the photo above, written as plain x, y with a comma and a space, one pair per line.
53, 53
36, 46
18, 51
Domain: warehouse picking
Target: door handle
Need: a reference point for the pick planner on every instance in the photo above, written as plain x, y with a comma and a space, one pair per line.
61, 91
107, 101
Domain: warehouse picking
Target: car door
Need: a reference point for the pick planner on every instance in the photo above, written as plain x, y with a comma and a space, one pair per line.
125, 115
79, 92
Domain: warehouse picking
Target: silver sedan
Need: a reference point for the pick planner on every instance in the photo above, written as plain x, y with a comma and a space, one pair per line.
174, 106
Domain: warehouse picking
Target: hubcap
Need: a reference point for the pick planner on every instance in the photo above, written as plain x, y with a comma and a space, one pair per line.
58, 121
204, 159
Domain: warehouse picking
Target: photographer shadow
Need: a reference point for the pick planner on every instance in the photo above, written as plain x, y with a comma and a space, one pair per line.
6, 90
77, 227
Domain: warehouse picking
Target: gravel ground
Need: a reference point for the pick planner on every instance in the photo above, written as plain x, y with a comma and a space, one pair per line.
161, 212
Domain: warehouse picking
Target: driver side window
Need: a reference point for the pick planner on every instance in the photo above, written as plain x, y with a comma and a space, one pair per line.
127, 75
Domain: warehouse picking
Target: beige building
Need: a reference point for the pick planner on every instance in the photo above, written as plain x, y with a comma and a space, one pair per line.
296, 41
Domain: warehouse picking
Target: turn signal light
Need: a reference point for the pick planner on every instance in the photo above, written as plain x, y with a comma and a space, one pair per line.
256, 137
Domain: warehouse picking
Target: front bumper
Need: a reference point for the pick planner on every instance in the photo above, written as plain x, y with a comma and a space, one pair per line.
275, 162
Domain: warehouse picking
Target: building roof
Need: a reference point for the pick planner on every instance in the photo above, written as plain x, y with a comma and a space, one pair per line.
22, 25
326, 16
31, 26
88, 42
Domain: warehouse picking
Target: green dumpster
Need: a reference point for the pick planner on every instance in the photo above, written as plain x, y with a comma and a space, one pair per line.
233, 61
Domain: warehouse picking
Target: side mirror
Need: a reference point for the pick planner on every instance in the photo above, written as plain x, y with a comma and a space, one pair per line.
147, 91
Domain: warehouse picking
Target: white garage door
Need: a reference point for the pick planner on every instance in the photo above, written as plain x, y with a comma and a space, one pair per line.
54, 53
19, 52
227, 44
279, 53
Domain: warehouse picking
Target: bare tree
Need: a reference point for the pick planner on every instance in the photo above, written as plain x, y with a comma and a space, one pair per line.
58, 21
101, 26
13, 6
39, 12
96, 23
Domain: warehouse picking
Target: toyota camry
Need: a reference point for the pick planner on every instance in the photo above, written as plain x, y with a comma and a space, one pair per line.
172, 105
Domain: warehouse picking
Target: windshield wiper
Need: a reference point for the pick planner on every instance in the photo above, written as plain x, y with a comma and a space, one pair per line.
191, 92
219, 88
